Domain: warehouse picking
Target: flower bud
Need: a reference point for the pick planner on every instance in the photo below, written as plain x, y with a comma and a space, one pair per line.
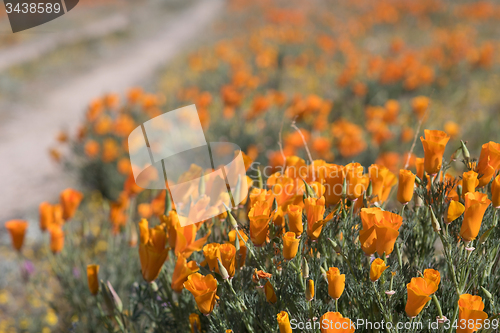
222, 270
486, 293
230, 217
305, 268
116, 299
310, 290
435, 223
465, 151
335, 246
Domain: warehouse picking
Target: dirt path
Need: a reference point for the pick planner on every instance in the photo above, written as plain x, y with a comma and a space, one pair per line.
27, 175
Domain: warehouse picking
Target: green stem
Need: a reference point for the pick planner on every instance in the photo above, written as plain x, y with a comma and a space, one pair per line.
381, 307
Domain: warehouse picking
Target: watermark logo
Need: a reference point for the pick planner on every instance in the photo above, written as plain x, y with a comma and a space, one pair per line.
170, 152
26, 14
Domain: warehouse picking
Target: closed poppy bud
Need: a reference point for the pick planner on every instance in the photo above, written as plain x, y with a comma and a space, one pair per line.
469, 182
259, 217
419, 164
152, 250
204, 289
495, 192
212, 252
290, 245
476, 204
295, 219
70, 200
356, 182
333, 322
434, 146
455, 209
92, 278
377, 268
56, 239
227, 257
470, 311
310, 290
17, 230
405, 187
284, 322
419, 291
270, 294
46, 212
195, 323
181, 272
336, 282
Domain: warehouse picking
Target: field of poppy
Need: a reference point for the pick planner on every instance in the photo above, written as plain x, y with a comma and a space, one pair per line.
369, 139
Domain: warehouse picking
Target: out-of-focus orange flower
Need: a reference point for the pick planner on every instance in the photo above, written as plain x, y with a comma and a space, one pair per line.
46, 211
476, 204
420, 104
259, 215
356, 182
469, 182
270, 294
93, 278
145, 211
489, 161
91, 148
380, 230
406, 185
377, 268
290, 245
152, 250
407, 134
348, 138
124, 124
391, 111
195, 323
455, 209
110, 150
56, 238
70, 200
419, 291
204, 289
130, 187
284, 322
452, 129
495, 192
434, 146
334, 180
123, 166
336, 282
382, 182
17, 230
470, 312
359, 89
333, 322
181, 272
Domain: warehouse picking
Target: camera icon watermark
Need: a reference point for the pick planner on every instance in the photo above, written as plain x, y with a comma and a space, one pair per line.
170, 152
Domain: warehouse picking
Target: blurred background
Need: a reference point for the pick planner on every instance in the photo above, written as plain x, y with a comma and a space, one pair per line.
360, 79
